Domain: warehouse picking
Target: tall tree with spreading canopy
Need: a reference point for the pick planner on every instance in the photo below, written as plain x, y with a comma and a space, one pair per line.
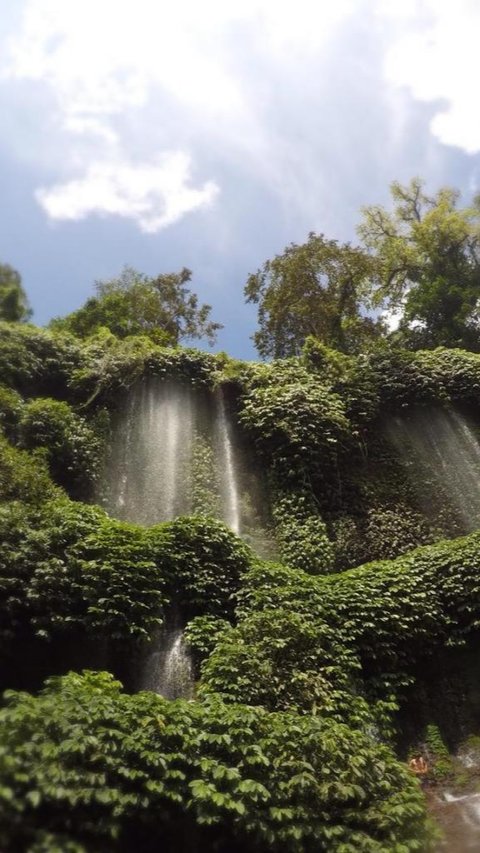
316, 288
14, 305
428, 250
161, 307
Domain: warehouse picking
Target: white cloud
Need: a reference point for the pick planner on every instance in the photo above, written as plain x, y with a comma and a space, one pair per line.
140, 85
436, 58
105, 62
155, 195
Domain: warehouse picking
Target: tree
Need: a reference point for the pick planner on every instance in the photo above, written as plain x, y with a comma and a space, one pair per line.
14, 305
313, 289
428, 251
161, 307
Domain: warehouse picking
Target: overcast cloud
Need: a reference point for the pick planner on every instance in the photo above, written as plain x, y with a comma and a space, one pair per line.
211, 134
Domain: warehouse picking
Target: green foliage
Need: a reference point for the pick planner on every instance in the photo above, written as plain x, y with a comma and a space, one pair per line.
439, 376
327, 363
89, 766
302, 537
301, 640
394, 531
296, 422
440, 761
429, 255
72, 449
36, 362
382, 534
11, 405
14, 307
67, 566
23, 476
304, 544
206, 562
161, 308
202, 634
283, 659
111, 366
313, 289
205, 481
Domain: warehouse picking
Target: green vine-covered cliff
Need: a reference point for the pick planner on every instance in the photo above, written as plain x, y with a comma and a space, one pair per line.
308, 633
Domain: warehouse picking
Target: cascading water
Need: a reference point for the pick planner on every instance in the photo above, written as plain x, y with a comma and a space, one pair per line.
154, 474
458, 816
168, 669
149, 471
440, 449
173, 453
228, 478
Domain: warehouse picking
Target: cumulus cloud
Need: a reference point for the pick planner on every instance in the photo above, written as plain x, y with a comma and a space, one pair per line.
108, 66
435, 57
155, 194
147, 93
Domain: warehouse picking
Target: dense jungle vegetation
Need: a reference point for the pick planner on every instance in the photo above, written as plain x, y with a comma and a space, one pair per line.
317, 663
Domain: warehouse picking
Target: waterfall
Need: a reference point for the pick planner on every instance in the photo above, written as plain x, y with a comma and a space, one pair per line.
168, 669
227, 468
172, 454
441, 452
148, 473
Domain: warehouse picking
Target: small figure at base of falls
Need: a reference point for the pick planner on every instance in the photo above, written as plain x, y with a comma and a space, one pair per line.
168, 668
418, 765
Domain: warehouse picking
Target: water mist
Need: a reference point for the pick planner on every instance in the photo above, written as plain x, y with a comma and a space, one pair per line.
441, 452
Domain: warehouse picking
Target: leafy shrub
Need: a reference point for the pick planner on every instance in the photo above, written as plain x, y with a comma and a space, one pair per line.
326, 362
295, 422
36, 362
202, 634
71, 447
205, 562
349, 543
282, 659
305, 545
86, 767
350, 377
205, 481
300, 640
111, 365
23, 476
428, 376
67, 566
382, 534
393, 531
440, 761
302, 536
11, 405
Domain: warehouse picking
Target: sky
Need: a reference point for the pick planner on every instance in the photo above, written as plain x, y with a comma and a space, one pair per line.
211, 135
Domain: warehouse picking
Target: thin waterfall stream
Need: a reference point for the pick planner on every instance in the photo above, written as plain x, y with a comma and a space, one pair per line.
168, 669
228, 482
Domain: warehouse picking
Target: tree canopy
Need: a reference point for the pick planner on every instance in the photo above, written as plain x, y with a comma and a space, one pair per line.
14, 305
428, 250
161, 307
315, 289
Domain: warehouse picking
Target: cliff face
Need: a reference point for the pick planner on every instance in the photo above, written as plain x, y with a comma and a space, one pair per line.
301, 526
